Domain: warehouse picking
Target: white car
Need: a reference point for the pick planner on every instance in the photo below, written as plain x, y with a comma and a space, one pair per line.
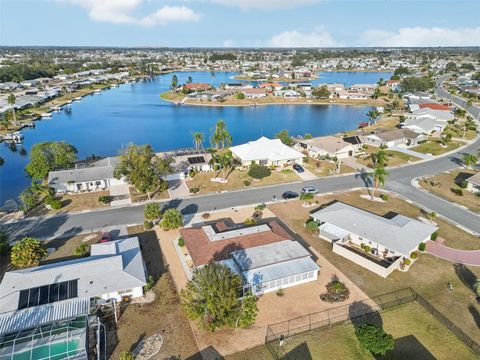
309, 190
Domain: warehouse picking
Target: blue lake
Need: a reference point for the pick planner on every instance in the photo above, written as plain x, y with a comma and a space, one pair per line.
101, 124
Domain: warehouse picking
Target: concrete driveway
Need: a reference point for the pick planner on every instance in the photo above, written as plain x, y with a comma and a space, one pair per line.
177, 189
120, 195
306, 175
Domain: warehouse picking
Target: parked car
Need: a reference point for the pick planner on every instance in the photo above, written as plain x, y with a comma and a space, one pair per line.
309, 190
289, 195
106, 237
298, 168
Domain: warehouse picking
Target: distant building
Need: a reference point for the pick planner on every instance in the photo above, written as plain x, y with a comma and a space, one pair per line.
474, 183
326, 146
398, 137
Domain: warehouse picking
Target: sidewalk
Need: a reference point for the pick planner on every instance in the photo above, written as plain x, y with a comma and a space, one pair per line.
466, 257
411, 152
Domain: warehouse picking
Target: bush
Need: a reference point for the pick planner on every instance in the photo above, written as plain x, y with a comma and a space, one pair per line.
147, 225
150, 283
259, 171
458, 192
407, 262
104, 199
29, 199
312, 226
306, 196
152, 212
82, 250
422, 246
434, 236
4, 245
246, 183
280, 292
206, 215
181, 241
172, 219
250, 221
27, 252
374, 339
367, 248
384, 197
194, 190
55, 204
463, 184
126, 355
260, 207
414, 255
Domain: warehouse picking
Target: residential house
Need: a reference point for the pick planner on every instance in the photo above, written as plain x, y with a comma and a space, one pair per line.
185, 161
356, 142
287, 94
264, 254
334, 88
434, 106
379, 244
197, 87
473, 183
52, 304
266, 151
395, 138
326, 146
365, 88
270, 86
255, 93
85, 177
427, 120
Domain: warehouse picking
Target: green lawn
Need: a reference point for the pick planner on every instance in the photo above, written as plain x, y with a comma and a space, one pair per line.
433, 147
417, 334
394, 158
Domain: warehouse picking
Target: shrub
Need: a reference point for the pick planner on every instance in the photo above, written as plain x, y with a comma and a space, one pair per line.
147, 225
4, 245
150, 283
27, 252
280, 292
194, 190
367, 248
407, 262
82, 250
55, 204
104, 199
374, 339
414, 255
246, 183
29, 199
181, 241
463, 184
260, 207
312, 226
206, 215
250, 221
458, 192
306, 196
434, 236
126, 355
172, 219
384, 197
152, 212
422, 246
259, 171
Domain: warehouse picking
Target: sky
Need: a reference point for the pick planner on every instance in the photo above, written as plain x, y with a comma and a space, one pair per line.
240, 23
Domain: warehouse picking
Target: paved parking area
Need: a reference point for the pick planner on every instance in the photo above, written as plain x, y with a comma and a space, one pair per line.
120, 195
177, 189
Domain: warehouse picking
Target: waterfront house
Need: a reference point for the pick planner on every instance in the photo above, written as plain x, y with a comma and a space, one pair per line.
48, 309
404, 137
255, 93
197, 87
270, 86
266, 151
330, 146
379, 244
264, 254
352, 95
424, 125
85, 177
185, 161
473, 183
334, 88
365, 88
287, 94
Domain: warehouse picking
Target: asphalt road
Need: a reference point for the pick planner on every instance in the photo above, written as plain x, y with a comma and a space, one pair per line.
398, 181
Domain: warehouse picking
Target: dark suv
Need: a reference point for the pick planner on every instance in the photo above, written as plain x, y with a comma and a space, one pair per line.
298, 168
289, 195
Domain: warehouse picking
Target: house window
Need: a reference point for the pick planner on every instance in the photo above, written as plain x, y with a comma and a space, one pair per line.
304, 276
298, 277
98, 183
360, 238
128, 291
285, 281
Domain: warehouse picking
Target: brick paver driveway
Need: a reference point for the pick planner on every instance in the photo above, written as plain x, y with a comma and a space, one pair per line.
466, 257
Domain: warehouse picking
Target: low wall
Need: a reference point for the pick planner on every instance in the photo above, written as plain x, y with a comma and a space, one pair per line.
364, 262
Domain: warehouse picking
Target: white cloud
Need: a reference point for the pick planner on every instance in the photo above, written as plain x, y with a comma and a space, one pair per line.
228, 43
319, 37
265, 4
420, 36
124, 12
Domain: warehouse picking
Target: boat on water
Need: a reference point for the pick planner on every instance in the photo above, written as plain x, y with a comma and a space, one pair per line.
114, 86
15, 137
46, 115
97, 91
78, 98
56, 108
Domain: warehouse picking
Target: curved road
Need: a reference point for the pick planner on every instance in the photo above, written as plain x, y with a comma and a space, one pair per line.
399, 181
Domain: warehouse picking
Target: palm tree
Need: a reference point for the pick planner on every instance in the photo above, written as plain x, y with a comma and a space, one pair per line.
220, 135
198, 139
469, 160
372, 116
11, 101
379, 158
379, 174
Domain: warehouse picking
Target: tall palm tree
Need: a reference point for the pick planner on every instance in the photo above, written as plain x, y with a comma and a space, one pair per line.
379, 158
221, 136
198, 139
469, 160
11, 101
379, 175
372, 116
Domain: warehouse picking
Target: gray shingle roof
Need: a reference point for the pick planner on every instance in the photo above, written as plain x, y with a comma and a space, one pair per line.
401, 233
100, 170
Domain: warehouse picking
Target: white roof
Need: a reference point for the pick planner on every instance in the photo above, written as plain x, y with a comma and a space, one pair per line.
265, 149
400, 233
111, 267
442, 115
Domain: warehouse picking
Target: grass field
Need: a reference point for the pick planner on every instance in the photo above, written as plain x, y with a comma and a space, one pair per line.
236, 179
428, 275
417, 334
394, 158
325, 168
433, 147
441, 185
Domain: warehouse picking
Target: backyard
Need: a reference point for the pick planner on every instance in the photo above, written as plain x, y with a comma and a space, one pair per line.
394, 158
236, 180
417, 334
428, 275
442, 185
